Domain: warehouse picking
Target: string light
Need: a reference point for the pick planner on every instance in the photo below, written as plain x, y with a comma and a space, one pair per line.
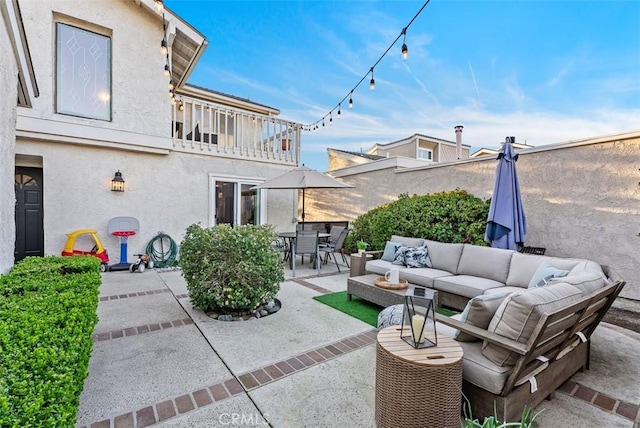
330, 119
405, 53
405, 49
163, 46
159, 6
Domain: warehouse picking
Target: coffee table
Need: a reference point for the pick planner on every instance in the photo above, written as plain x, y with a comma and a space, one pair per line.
363, 286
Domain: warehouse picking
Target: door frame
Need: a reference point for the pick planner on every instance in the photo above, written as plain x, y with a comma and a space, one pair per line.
238, 181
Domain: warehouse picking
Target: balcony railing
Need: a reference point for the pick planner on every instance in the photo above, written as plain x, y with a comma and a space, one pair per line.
224, 131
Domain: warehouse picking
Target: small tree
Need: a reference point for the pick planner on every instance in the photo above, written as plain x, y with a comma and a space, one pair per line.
230, 269
454, 216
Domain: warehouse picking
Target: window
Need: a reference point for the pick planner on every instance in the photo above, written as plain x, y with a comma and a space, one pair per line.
83, 73
235, 202
425, 154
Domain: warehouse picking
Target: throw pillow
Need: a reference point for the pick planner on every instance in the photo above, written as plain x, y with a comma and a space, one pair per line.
417, 258
479, 312
546, 273
398, 257
390, 249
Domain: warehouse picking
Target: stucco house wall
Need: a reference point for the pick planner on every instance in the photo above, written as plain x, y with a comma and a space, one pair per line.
9, 77
581, 199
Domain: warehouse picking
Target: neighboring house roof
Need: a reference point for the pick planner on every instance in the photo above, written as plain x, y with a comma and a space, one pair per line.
27, 85
411, 138
360, 154
487, 151
227, 99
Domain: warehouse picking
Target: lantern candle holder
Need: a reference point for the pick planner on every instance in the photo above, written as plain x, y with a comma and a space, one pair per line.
419, 319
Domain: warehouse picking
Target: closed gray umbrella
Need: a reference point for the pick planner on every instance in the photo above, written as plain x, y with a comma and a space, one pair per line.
506, 223
302, 178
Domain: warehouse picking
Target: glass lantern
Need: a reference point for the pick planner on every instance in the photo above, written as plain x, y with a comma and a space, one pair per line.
418, 319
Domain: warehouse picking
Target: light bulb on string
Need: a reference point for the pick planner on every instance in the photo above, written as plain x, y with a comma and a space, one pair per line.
171, 84
338, 110
163, 46
330, 119
159, 6
351, 100
372, 82
405, 49
167, 71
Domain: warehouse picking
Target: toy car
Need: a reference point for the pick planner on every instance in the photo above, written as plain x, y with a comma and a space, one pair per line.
98, 249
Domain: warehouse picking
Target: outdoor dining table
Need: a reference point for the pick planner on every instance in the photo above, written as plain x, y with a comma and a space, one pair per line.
291, 237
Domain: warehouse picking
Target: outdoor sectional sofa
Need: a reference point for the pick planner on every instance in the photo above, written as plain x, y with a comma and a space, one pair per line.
520, 344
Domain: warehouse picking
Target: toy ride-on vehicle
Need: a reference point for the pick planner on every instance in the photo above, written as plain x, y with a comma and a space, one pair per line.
87, 237
142, 262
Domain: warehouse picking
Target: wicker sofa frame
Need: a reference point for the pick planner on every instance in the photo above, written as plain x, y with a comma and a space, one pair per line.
555, 334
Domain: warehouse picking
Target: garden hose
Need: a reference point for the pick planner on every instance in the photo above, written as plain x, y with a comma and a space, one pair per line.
162, 250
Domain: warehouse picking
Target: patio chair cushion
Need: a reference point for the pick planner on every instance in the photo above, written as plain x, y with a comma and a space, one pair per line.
464, 285
479, 312
519, 313
444, 256
408, 242
586, 281
546, 273
379, 266
422, 276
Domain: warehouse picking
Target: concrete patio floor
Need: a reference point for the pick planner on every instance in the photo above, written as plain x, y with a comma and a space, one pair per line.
157, 360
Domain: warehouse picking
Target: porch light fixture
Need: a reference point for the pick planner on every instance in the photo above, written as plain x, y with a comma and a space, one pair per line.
372, 82
117, 184
419, 313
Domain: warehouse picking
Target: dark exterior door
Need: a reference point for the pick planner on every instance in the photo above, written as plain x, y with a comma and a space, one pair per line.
29, 208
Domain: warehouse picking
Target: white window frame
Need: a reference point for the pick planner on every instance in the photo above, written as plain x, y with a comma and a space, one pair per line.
421, 149
237, 188
100, 95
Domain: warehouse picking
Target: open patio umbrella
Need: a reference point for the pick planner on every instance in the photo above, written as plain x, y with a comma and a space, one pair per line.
506, 223
302, 178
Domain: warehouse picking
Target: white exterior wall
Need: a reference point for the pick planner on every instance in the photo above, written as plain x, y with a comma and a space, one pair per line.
165, 193
140, 101
580, 201
9, 77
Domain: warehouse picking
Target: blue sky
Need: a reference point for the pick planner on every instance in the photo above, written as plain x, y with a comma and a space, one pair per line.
544, 71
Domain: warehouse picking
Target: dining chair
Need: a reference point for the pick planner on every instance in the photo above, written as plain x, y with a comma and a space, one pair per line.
332, 248
306, 242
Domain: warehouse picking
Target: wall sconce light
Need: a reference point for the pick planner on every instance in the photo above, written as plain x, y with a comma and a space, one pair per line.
117, 184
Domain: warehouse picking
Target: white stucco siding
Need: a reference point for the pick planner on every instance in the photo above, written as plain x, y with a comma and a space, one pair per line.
136, 62
9, 77
165, 193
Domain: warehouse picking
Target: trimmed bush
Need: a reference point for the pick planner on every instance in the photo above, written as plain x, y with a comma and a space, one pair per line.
454, 216
47, 314
230, 269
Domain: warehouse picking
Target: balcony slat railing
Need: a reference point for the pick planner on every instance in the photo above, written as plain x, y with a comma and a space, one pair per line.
215, 129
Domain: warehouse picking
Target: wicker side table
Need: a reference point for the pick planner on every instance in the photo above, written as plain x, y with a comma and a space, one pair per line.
417, 387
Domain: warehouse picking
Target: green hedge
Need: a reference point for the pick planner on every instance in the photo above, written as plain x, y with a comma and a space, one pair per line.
47, 314
454, 216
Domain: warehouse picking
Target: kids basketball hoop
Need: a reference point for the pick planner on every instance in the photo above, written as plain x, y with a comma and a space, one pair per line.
123, 227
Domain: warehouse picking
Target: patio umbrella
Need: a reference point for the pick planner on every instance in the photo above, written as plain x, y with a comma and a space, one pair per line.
302, 178
506, 223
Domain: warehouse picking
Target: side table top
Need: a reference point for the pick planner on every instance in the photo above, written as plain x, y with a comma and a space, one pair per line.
448, 352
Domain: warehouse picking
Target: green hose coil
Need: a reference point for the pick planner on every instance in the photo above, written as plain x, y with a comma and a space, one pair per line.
163, 250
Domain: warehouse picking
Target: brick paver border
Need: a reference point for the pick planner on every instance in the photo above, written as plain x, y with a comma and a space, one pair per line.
141, 329
598, 399
137, 294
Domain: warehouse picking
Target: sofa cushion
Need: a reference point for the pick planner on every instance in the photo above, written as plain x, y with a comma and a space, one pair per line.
503, 290
417, 257
379, 266
485, 262
390, 249
444, 256
465, 285
479, 312
422, 276
408, 242
522, 268
546, 273
587, 281
519, 313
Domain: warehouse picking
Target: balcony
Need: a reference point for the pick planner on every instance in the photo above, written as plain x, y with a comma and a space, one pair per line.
208, 128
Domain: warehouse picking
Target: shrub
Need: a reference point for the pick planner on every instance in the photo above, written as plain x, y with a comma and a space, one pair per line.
454, 216
230, 269
47, 314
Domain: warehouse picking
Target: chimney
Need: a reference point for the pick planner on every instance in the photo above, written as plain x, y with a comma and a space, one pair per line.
458, 130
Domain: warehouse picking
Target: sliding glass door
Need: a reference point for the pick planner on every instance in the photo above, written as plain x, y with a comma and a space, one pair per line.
234, 202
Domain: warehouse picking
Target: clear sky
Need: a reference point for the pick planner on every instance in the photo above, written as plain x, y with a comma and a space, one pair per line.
543, 71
